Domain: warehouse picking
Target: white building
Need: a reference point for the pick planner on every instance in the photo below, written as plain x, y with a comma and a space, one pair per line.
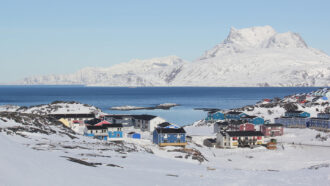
234, 139
147, 122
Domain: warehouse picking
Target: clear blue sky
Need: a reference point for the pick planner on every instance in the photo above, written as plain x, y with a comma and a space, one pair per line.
43, 37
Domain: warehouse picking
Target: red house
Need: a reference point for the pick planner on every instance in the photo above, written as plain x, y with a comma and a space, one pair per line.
272, 129
246, 127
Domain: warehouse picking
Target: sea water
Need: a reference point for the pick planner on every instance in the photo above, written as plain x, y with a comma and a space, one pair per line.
187, 97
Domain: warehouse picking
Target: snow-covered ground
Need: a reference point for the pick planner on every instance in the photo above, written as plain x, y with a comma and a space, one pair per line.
36, 151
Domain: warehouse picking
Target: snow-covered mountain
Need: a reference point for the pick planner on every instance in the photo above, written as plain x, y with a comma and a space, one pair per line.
152, 72
257, 56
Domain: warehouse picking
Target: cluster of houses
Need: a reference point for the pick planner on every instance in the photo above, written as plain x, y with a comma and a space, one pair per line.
237, 129
301, 119
319, 96
111, 127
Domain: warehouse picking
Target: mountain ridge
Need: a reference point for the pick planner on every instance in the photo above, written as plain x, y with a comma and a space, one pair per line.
253, 57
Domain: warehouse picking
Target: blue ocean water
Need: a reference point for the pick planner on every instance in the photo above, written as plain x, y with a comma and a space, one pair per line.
188, 97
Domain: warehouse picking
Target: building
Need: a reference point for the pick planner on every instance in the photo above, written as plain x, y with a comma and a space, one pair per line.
67, 119
147, 122
323, 92
114, 132
246, 127
323, 115
215, 115
234, 139
271, 130
79, 127
100, 132
234, 115
297, 114
210, 142
319, 123
220, 126
125, 120
134, 135
169, 137
110, 132
253, 119
294, 122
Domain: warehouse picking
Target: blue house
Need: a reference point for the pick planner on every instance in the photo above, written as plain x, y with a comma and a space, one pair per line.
320, 123
215, 115
134, 135
294, 122
235, 115
100, 132
253, 119
323, 115
115, 132
297, 114
169, 136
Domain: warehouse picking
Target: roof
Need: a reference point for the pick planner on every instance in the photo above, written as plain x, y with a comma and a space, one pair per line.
236, 122
222, 123
244, 133
96, 127
321, 118
144, 117
86, 115
296, 111
118, 116
104, 122
170, 130
212, 140
93, 121
113, 125
273, 125
165, 124
247, 116
233, 112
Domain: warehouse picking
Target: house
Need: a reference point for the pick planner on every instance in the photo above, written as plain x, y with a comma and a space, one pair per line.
215, 115
67, 119
267, 100
100, 132
294, 122
275, 129
220, 126
323, 115
210, 142
79, 127
253, 119
169, 136
322, 92
234, 139
115, 132
246, 127
147, 122
297, 114
319, 123
239, 125
125, 120
234, 115
134, 135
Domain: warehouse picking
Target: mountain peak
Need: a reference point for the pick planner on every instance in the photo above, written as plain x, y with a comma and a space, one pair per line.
250, 37
260, 37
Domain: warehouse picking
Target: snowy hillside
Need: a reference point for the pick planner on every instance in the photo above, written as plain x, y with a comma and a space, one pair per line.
257, 56
38, 150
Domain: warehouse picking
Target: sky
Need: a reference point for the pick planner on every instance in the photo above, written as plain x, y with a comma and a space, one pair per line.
63, 36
